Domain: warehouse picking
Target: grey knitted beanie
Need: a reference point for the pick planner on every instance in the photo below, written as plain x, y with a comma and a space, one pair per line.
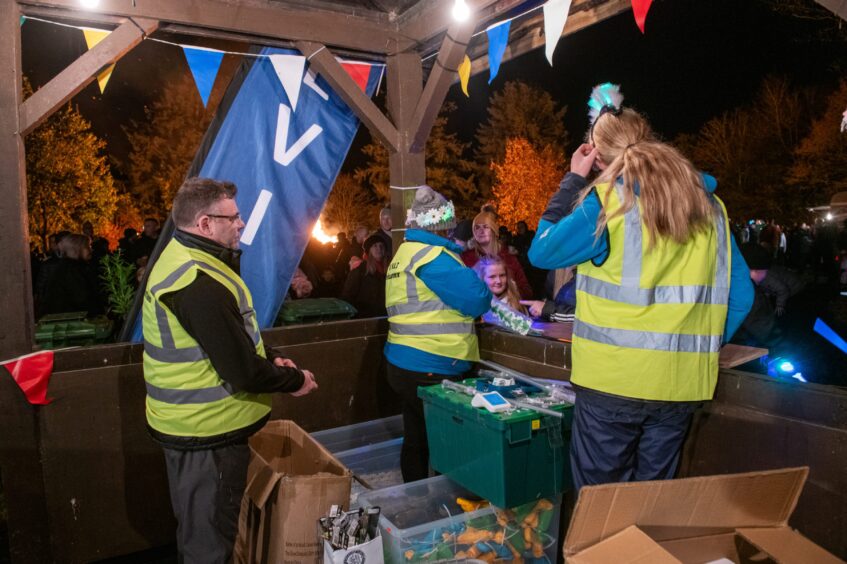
431, 211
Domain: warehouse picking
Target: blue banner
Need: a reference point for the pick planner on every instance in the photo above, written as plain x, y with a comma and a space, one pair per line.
282, 141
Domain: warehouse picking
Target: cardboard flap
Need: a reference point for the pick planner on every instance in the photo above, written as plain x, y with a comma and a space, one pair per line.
630, 546
727, 502
262, 485
787, 546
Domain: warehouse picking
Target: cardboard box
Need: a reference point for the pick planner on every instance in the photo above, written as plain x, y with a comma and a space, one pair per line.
739, 517
292, 481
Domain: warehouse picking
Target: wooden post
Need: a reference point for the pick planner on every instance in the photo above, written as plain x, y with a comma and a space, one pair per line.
20, 464
405, 85
16, 330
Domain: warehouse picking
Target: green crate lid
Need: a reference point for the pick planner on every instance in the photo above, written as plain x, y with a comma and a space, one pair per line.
460, 404
315, 309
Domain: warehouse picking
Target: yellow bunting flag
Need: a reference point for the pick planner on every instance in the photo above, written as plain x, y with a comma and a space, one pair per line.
92, 38
465, 74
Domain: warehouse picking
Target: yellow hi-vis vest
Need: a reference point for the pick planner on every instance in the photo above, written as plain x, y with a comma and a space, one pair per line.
649, 325
185, 395
417, 318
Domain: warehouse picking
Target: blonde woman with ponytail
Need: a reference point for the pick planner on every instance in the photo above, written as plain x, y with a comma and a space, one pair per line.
660, 286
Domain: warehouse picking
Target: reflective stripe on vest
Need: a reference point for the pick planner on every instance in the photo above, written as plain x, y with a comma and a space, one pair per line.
648, 340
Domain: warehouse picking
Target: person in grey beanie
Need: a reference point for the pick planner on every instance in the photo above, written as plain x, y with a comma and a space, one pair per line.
432, 300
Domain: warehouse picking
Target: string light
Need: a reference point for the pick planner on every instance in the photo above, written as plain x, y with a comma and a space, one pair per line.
461, 11
89, 4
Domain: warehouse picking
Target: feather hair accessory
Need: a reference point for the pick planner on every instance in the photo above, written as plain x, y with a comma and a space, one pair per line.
606, 97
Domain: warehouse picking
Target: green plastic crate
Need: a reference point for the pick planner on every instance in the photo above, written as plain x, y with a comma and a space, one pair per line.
71, 329
298, 312
508, 459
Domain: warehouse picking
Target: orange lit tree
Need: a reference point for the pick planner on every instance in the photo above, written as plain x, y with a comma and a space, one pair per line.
524, 181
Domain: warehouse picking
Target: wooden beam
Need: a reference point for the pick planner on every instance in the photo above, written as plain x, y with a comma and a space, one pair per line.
20, 466
325, 63
16, 330
405, 83
837, 7
529, 34
81, 72
271, 20
428, 20
442, 76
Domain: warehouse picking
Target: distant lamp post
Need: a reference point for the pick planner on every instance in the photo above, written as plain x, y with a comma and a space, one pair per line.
461, 11
89, 4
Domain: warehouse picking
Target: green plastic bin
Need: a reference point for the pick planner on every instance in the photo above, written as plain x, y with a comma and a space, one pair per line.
71, 329
507, 458
314, 310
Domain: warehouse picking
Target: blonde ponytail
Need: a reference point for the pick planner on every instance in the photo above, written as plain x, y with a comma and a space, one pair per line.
674, 202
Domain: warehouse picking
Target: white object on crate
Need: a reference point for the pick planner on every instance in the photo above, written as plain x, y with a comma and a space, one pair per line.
492, 401
366, 553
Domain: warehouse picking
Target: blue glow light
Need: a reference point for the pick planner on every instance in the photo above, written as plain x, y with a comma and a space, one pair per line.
827, 333
799, 377
786, 366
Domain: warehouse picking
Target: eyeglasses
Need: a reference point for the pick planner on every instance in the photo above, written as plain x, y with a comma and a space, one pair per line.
231, 218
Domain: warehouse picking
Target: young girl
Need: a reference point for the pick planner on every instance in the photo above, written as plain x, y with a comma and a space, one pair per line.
493, 271
486, 244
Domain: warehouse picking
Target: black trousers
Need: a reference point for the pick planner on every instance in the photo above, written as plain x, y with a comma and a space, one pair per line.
206, 487
414, 456
617, 439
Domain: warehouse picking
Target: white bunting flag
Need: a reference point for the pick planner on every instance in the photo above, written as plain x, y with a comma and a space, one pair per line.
289, 69
555, 17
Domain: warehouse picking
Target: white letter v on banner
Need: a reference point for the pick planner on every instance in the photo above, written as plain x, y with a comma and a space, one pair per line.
283, 154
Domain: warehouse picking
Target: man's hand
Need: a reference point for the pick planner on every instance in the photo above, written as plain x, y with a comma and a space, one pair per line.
309, 384
534, 306
279, 361
583, 159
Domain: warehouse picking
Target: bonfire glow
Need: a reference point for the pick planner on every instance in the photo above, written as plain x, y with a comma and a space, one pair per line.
321, 235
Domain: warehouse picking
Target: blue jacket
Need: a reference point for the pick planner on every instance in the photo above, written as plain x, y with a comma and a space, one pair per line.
457, 286
566, 238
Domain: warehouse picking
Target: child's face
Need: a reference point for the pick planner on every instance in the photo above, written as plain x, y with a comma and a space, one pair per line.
495, 278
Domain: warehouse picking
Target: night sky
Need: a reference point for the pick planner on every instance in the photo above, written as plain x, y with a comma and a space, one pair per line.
697, 59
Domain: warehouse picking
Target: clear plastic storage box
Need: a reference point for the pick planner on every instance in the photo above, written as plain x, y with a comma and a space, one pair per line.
358, 435
437, 519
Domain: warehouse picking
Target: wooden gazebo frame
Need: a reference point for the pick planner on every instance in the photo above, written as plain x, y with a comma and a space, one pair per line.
403, 37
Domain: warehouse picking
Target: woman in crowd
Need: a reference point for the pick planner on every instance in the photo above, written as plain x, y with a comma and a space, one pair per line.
493, 271
365, 285
73, 285
661, 284
486, 244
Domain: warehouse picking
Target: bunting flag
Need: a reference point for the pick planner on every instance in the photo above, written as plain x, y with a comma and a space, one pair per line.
32, 375
498, 38
23, 19
465, 74
555, 17
289, 70
204, 65
639, 10
92, 38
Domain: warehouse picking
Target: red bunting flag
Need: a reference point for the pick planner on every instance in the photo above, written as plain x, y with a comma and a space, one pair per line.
32, 374
359, 73
639, 10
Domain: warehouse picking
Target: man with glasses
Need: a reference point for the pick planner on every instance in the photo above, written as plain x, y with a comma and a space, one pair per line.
208, 375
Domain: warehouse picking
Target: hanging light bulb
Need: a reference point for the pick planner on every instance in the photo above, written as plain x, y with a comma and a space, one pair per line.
461, 11
89, 4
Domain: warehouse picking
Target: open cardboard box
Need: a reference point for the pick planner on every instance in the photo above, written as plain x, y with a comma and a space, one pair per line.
292, 481
742, 518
